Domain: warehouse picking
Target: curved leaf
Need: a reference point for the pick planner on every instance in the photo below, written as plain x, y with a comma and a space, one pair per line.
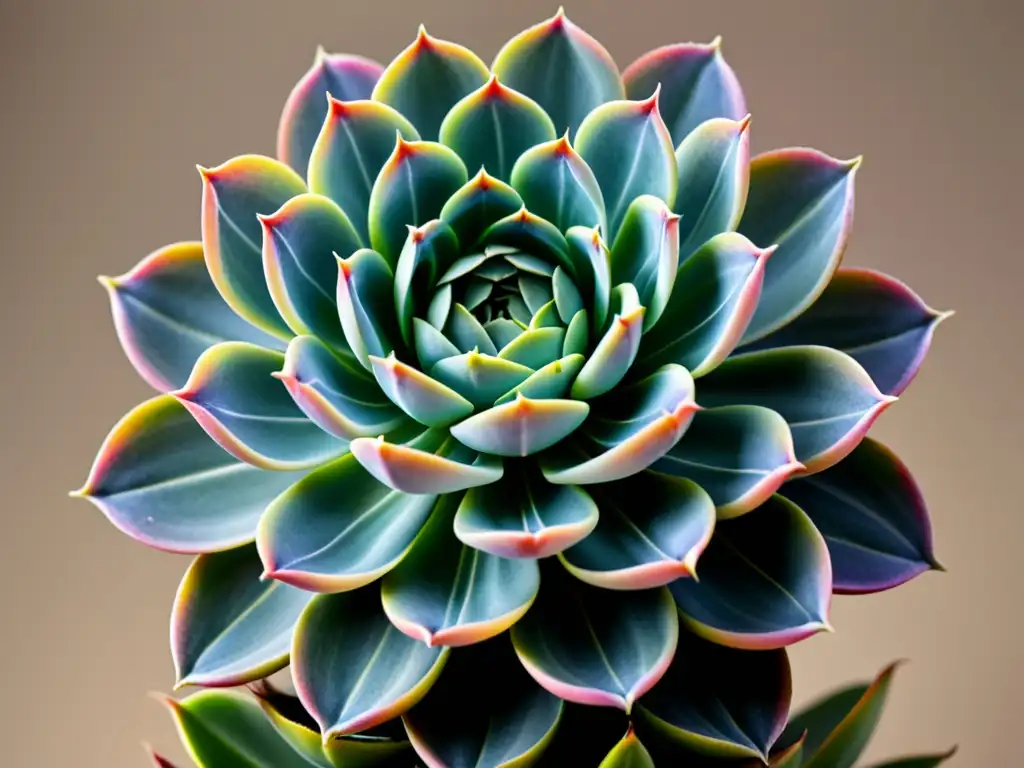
365, 298
421, 397
628, 753
233, 195
478, 204
352, 669
639, 546
613, 356
535, 348
167, 312
873, 517
529, 233
431, 345
480, 378
577, 335
562, 68
551, 381
593, 271
919, 761
446, 593
522, 427
765, 580
468, 334
160, 479
426, 255
228, 627
802, 201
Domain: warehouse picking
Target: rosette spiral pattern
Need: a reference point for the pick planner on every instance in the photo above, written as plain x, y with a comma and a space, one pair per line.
460, 393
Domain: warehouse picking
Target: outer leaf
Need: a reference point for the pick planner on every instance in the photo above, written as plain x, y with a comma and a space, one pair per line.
564, 69
765, 581
234, 397
873, 517
342, 76
446, 593
802, 201
426, 255
233, 195
521, 515
919, 761
595, 646
421, 397
167, 312
628, 753
338, 529
639, 546
558, 185
480, 202
160, 479
645, 163
228, 627
874, 318
697, 85
827, 399
739, 454
352, 669
365, 299
521, 427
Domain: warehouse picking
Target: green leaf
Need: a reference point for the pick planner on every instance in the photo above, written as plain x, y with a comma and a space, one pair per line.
802, 201
644, 162
352, 669
427, 252
431, 345
478, 204
790, 757
568, 300
233, 195
338, 529
467, 333
336, 76
502, 332
577, 335
640, 546
824, 395
365, 298
739, 454
587, 251
551, 381
233, 395
712, 300
628, 753
645, 254
160, 479
446, 593
509, 722
613, 355
535, 348
596, 646
493, 126
421, 397
919, 761
697, 85
527, 232
227, 626
522, 427
765, 580
564, 69
480, 378
167, 312
427, 79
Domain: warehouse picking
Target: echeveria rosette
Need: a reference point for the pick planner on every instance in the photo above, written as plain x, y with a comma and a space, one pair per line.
460, 393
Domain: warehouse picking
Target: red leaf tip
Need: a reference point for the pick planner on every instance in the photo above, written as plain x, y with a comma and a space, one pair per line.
650, 104
744, 124
562, 145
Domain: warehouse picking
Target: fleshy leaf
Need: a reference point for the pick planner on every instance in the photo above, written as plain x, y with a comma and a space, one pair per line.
596, 646
431, 345
480, 378
530, 233
628, 753
647, 544
342, 76
874, 318
338, 529
228, 627
522, 515
167, 312
612, 357
719, 701
233, 395
352, 669
300, 241
568, 301
493, 126
446, 593
478, 204
428, 251
697, 84
593, 271
643, 163
160, 479
825, 396
802, 201
509, 722
365, 300
233, 195
535, 348
873, 517
522, 427
564, 69
713, 298
426, 400
765, 580
739, 454
577, 335
427, 79
551, 381
468, 333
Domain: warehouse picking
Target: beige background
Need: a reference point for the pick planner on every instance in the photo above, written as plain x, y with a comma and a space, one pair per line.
106, 106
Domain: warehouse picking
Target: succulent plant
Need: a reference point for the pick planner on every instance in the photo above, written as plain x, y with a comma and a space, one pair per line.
460, 393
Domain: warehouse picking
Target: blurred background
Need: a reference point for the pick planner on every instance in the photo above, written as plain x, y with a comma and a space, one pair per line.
105, 108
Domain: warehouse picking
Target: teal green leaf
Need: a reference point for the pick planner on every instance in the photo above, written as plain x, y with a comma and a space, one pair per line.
802, 201
562, 68
524, 262
233, 195
160, 479
467, 333
522, 515
536, 291
352, 669
628, 753
640, 546
568, 300
446, 593
493, 126
480, 378
423, 398
613, 355
502, 332
589, 254
431, 345
427, 79
428, 251
596, 646
535, 348
234, 396
530, 233
521, 427
478, 204
228, 626
365, 298
577, 335
551, 381
765, 580
439, 308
